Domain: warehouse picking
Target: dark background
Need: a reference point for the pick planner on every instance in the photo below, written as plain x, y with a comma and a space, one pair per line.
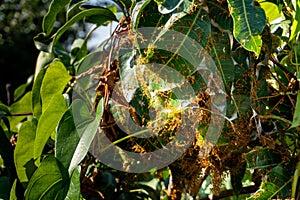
20, 21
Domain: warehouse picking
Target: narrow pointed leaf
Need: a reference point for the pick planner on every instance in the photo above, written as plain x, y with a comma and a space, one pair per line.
50, 18
248, 21
103, 13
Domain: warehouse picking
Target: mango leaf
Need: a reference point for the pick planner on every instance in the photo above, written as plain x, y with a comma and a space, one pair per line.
221, 53
103, 13
24, 161
21, 106
271, 10
296, 25
50, 18
278, 182
248, 22
50, 181
87, 128
53, 103
137, 12
66, 131
196, 26
36, 93
74, 189
219, 13
169, 6
262, 158
145, 14
296, 117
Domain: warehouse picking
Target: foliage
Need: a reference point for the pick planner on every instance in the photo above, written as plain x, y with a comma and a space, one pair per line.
46, 134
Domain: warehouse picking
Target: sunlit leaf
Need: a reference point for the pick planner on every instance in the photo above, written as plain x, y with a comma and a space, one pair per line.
13, 195
271, 10
21, 106
24, 161
53, 103
50, 181
54, 82
249, 21
296, 25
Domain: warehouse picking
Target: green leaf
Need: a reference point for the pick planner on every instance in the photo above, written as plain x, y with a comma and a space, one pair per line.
296, 117
248, 22
104, 13
220, 14
169, 6
271, 10
53, 103
196, 26
48, 122
50, 181
36, 93
74, 189
296, 25
278, 180
86, 129
66, 131
262, 158
24, 161
137, 12
21, 106
220, 51
42, 61
79, 49
54, 82
50, 18
13, 194
20, 91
